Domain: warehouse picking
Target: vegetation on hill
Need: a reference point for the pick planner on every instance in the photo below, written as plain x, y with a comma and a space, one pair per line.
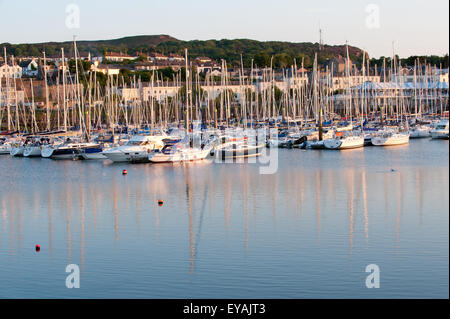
283, 53
280, 54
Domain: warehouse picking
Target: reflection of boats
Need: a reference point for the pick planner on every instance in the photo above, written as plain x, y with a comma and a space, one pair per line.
441, 131
136, 149
390, 138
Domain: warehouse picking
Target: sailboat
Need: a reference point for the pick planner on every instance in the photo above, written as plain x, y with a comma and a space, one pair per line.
390, 138
183, 150
441, 131
342, 140
136, 149
232, 147
5, 146
33, 148
17, 148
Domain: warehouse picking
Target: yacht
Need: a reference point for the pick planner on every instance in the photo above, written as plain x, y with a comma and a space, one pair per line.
136, 149
5, 146
390, 138
441, 131
343, 142
420, 131
181, 151
17, 148
33, 149
230, 147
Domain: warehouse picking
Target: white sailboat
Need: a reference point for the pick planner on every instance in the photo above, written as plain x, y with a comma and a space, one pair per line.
390, 138
231, 147
136, 149
180, 152
344, 142
441, 131
33, 149
346, 139
5, 146
17, 148
420, 131
184, 150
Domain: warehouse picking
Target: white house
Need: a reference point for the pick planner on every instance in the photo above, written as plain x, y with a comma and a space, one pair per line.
10, 71
158, 57
29, 67
107, 69
119, 57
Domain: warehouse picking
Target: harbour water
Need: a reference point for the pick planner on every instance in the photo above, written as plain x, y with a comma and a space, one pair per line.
226, 231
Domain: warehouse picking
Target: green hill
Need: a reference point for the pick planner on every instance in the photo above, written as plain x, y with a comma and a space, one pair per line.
283, 53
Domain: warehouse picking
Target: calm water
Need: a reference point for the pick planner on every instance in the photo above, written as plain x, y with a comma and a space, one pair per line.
225, 231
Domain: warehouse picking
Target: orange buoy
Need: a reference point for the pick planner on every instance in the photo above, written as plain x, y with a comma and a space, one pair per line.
124, 172
38, 248
160, 202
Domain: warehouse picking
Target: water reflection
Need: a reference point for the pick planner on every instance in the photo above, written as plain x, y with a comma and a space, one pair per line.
217, 215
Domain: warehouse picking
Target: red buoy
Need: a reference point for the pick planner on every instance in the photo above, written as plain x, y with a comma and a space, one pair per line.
38, 248
124, 172
160, 202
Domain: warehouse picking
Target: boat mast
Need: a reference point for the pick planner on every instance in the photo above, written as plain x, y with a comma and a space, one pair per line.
187, 91
64, 88
46, 93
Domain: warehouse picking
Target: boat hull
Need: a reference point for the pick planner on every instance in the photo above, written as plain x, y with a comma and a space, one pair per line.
390, 141
441, 135
32, 151
17, 151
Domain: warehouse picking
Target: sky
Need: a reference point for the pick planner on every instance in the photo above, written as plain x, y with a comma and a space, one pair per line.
410, 27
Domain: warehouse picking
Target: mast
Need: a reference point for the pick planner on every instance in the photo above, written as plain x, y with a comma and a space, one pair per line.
46, 93
64, 88
79, 97
187, 91
7, 91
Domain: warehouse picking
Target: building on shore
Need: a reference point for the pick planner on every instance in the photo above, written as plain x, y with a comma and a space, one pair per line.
119, 57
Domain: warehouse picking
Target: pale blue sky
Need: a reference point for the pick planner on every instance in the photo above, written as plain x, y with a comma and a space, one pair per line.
417, 26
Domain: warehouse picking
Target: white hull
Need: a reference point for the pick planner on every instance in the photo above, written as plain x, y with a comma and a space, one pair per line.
441, 130
32, 151
349, 142
17, 151
419, 133
47, 151
240, 151
443, 135
394, 139
184, 155
136, 150
124, 156
5, 149
93, 156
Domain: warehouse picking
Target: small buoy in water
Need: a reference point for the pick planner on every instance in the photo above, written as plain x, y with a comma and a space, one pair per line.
38, 248
124, 172
160, 202
392, 170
